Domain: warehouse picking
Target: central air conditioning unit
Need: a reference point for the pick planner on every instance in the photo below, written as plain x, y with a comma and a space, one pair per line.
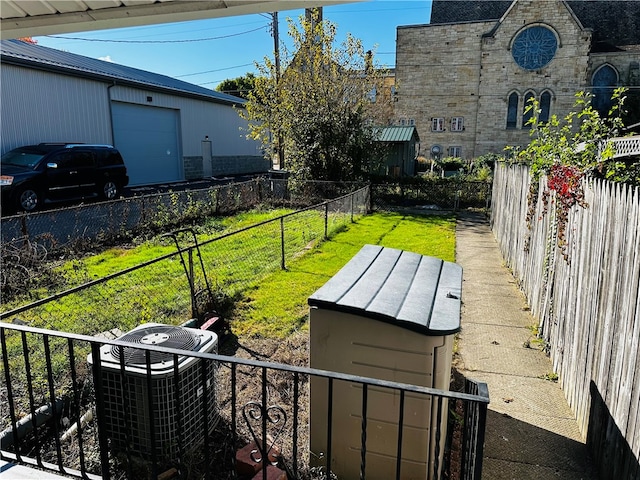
161, 405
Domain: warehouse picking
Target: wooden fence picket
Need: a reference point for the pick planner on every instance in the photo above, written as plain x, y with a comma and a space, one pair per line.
588, 306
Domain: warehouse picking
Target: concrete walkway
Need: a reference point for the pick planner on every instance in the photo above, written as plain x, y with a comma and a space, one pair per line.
11, 471
531, 433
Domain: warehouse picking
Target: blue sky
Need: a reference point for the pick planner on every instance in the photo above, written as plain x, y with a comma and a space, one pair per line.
233, 44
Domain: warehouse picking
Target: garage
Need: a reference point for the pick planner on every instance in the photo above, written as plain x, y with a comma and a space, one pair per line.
147, 138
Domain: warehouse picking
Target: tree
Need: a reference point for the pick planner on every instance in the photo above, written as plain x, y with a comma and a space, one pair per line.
239, 87
566, 150
324, 105
579, 140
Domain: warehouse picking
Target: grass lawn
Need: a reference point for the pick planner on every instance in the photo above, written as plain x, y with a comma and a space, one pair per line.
113, 260
272, 303
277, 307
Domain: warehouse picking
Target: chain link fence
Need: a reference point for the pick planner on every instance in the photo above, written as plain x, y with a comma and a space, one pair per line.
199, 276
438, 194
32, 244
110, 222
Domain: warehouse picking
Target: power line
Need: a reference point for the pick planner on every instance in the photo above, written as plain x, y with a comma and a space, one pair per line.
212, 71
156, 41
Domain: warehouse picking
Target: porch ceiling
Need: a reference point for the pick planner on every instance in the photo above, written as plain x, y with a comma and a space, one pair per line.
47, 17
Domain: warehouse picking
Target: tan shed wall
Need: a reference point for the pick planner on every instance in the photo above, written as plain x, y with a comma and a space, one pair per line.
356, 345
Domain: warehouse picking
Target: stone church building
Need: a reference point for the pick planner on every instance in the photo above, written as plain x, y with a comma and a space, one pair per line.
464, 79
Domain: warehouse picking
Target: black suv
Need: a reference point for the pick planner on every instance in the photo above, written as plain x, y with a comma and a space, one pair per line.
52, 172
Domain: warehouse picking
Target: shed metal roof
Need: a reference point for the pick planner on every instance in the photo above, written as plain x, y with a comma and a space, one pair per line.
21, 53
397, 133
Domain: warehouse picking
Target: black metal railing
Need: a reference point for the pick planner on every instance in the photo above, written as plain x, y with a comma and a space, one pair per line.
79, 406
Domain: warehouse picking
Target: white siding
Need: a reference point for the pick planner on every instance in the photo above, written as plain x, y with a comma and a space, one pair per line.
38, 106
198, 118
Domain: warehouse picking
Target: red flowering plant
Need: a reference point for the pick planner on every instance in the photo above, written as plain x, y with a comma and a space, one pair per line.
566, 151
565, 181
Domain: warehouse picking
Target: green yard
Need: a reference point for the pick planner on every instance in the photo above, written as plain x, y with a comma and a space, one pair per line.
268, 302
278, 305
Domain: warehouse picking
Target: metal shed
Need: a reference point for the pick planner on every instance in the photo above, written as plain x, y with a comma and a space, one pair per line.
390, 315
401, 145
161, 125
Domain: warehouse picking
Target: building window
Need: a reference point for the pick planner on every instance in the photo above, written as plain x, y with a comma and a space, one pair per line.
372, 95
512, 111
403, 121
412, 122
437, 124
457, 124
527, 110
534, 47
604, 81
455, 152
545, 107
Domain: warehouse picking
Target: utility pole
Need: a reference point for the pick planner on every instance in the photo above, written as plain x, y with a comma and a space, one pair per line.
276, 53
276, 43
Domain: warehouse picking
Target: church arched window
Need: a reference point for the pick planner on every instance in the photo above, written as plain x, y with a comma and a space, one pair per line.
512, 111
527, 112
604, 80
545, 106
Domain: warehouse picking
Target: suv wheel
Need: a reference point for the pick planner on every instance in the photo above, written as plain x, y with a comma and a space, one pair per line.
28, 200
109, 190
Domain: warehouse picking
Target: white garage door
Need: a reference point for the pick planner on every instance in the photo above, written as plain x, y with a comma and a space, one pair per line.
147, 137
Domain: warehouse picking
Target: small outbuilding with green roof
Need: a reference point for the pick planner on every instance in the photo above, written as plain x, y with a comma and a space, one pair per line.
401, 149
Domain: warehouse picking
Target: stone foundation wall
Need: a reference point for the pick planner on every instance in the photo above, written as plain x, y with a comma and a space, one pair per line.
192, 168
225, 165
237, 164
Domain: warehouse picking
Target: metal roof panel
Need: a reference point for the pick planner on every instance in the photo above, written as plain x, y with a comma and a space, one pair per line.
16, 51
24, 18
396, 133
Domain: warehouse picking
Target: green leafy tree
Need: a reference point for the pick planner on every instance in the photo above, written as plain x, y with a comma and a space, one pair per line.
566, 150
579, 140
323, 108
631, 115
239, 87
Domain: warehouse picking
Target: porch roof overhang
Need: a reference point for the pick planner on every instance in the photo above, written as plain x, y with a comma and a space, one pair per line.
48, 17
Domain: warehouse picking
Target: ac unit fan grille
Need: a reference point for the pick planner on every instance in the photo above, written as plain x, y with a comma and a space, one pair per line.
165, 336
165, 403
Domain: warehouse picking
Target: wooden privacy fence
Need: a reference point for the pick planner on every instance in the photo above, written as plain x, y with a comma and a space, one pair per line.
587, 304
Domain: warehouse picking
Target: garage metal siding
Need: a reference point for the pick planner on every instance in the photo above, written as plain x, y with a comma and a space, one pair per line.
38, 106
148, 139
199, 118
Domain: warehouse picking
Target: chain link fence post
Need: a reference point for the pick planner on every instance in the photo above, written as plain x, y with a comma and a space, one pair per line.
282, 263
351, 198
326, 220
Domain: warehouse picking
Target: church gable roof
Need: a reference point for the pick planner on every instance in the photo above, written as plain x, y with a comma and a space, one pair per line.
613, 22
448, 11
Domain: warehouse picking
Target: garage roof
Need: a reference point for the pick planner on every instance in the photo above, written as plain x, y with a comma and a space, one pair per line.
16, 52
46, 17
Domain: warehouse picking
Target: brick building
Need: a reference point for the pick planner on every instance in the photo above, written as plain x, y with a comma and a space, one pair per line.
465, 78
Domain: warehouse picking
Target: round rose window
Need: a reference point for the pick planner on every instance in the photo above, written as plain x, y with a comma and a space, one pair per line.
534, 47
